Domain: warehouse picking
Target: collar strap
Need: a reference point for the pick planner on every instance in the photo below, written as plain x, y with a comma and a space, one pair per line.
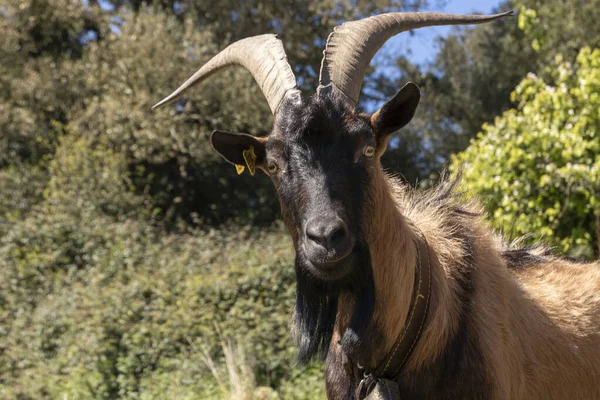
391, 365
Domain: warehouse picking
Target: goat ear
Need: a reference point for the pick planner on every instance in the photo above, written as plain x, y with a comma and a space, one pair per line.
397, 112
238, 147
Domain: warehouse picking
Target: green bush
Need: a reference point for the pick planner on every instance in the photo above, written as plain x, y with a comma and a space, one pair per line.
114, 309
537, 168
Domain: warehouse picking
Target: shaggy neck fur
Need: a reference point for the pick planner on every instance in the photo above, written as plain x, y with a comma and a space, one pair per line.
390, 238
391, 242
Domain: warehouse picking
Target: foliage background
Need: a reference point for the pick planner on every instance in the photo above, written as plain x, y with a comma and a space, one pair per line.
546, 154
135, 264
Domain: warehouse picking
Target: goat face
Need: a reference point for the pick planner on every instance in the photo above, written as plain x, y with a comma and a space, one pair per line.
318, 165
320, 157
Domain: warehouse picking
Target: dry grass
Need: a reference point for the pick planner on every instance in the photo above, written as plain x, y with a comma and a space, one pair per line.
239, 383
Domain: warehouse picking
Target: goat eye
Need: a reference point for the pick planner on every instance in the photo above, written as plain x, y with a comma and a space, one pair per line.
272, 167
369, 151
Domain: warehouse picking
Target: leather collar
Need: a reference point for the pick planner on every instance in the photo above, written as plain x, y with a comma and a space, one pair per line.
390, 367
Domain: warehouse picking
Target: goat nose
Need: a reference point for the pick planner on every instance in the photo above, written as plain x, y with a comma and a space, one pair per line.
327, 232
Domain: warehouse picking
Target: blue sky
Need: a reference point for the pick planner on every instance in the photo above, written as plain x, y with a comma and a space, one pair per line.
422, 45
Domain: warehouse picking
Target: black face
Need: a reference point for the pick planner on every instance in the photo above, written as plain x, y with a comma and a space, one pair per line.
319, 157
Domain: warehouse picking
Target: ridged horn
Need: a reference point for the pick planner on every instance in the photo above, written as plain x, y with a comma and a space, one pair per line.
263, 56
352, 45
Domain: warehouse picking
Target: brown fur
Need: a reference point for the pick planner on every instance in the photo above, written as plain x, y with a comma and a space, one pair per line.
495, 330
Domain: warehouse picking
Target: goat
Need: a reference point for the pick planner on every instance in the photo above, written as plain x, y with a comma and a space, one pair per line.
399, 291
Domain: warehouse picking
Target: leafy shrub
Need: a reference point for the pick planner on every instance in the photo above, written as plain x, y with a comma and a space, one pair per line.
537, 168
117, 310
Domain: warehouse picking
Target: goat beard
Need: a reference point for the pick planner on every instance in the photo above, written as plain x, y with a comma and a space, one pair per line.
317, 306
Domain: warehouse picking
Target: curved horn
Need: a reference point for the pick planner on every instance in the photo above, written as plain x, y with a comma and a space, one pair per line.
263, 56
352, 45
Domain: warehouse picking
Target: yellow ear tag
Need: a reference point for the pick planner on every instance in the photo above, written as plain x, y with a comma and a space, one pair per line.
239, 169
250, 159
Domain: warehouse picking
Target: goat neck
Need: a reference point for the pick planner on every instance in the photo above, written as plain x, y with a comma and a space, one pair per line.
390, 237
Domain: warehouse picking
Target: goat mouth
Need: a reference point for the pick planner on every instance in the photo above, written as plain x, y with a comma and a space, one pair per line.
332, 268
